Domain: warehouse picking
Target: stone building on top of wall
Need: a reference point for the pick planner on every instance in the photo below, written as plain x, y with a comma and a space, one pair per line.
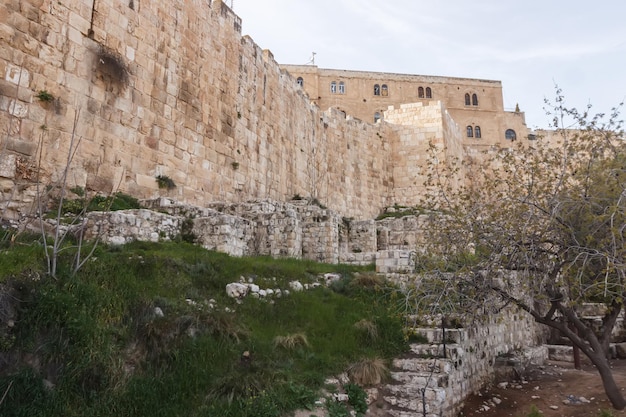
477, 106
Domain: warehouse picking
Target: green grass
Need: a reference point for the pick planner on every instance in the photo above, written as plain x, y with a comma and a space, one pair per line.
96, 338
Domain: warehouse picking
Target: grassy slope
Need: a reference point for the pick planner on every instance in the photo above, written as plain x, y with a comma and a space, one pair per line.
95, 336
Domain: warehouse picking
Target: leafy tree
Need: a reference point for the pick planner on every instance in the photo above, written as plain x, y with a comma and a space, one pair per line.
545, 223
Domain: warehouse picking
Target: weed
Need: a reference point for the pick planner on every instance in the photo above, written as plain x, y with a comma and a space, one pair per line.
412, 336
357, 398
605, 413
368, 371
44, 96
315, 202
368, 328
534, 412
186, 231
336, 409
165, 182
291, 341
79, 191
235, 165
367, 280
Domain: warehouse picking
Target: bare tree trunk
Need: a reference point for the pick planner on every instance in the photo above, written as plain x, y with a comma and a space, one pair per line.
610, 387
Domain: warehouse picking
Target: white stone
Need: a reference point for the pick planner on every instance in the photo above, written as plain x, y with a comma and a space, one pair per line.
158, 312
341, 397
262, 293
296, 286
254, 288
7, 165
17, 75
117, 240
331, 277
236, 290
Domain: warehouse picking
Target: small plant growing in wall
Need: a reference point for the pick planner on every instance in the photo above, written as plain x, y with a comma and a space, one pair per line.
165, 182
235, 165
45, 96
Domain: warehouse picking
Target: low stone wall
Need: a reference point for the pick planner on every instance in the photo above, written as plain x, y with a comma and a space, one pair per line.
294, 229
119, 227
395, 261
425, 378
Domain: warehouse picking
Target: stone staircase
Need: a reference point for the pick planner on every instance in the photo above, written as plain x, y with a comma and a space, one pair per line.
424, 379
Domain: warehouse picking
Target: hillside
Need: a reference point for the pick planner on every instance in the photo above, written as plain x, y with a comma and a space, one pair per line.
147, 329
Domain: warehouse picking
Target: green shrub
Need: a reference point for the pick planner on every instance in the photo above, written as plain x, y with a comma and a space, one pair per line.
163, 181
357, 398
534, 412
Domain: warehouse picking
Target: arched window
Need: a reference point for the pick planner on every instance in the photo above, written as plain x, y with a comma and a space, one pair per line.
474, 100
333, 87
468, 101
470, 131
384, 90
477, 132
376, 90
420, 92
342, 87
377, 117
429, 92
510, 135
300, 81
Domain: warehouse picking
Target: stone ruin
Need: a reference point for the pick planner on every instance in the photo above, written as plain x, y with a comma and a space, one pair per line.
438, 373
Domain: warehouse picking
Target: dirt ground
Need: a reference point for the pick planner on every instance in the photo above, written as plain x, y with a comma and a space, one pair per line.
548, 386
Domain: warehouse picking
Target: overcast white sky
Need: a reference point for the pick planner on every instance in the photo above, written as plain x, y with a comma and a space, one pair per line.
529, 45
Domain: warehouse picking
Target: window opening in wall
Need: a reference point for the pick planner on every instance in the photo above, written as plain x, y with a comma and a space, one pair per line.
377, 117
470, 131
376, 90
510, 135
300, 81
384, 90
420, 92
429, 92
467, 100
477, 132
342, 87
474, 100
333, 87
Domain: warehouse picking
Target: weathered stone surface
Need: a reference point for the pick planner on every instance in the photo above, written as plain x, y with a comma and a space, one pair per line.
7, 165
236, 290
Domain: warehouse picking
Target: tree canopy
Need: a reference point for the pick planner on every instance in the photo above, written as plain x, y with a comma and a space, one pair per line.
545, 222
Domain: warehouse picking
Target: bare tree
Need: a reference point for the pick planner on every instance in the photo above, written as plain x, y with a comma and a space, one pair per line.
542, 225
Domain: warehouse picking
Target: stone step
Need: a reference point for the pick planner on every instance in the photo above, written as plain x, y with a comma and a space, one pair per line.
414, 381
453, 351
436, 335
412, 405
422, 365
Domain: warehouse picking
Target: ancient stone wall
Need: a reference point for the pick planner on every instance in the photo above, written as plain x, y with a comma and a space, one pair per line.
133, 90
425, 131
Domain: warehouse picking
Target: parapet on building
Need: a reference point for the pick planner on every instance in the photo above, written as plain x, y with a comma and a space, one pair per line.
475, 105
